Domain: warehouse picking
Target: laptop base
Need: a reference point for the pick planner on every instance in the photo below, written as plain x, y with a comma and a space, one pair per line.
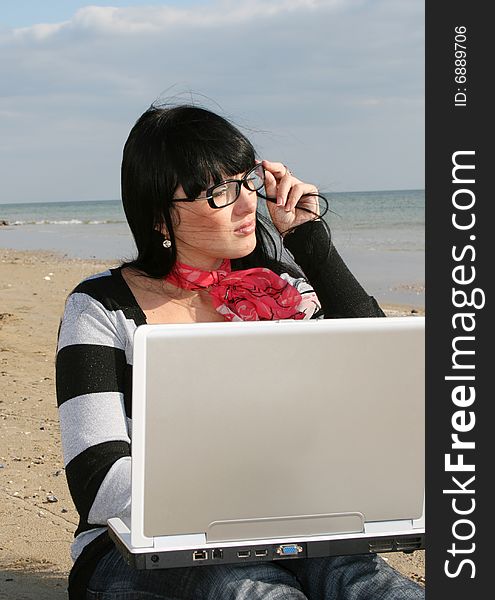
261, 552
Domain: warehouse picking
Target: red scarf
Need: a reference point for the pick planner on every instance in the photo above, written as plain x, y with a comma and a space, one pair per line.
250, 295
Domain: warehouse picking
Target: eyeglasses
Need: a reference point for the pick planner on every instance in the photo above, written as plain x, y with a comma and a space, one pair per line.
225, 193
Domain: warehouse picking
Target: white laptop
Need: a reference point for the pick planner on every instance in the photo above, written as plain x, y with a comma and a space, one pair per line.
257, 441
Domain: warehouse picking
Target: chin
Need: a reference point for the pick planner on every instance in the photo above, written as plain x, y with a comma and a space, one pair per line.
243, 251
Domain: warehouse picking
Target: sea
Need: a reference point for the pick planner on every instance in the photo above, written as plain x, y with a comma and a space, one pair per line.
379, 234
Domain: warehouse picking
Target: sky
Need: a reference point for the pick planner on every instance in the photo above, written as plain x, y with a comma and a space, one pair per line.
332, 88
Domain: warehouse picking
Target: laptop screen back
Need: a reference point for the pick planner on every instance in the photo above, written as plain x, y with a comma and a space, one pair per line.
256, 430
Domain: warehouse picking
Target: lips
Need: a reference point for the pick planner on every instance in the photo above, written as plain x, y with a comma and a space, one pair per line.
247, 227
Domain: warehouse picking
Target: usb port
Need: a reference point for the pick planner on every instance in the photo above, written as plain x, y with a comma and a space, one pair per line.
260, 553
200, 555
244, 553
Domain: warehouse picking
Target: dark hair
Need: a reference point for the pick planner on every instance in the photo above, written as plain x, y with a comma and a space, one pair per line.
189, 146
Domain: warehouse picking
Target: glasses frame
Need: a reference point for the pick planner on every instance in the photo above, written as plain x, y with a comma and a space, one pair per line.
240, 182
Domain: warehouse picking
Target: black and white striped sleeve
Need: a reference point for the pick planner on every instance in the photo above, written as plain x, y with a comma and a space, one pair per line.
91, 369
310, 304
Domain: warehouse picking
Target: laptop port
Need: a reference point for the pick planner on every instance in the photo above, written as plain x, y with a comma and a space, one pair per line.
289, 550
408, 545
244, 553
200, 555
381, 545
259, 553
217, 553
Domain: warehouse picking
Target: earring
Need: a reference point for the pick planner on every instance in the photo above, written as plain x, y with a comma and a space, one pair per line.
166, 243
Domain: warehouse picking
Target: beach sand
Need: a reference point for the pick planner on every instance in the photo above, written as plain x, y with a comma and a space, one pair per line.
37, 516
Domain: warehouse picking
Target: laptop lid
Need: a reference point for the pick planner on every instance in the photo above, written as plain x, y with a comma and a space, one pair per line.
253, 430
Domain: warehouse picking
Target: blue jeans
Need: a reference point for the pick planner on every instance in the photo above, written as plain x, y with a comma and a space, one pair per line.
361, 577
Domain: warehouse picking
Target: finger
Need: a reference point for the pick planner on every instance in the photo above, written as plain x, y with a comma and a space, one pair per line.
284, 177
277, 168
270, 185
294, 196
283, 189
297, 192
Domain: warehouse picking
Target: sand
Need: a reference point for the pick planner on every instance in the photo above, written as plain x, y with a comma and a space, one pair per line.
37, 517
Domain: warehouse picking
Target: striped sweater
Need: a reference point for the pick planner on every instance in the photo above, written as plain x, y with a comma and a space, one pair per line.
94, 383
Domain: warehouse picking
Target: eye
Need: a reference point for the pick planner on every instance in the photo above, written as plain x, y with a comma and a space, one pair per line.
219, 191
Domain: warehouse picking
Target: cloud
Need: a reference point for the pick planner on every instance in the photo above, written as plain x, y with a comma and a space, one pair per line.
328, 80
108, 20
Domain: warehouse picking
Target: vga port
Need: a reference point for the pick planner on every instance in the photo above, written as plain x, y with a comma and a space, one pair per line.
289, 550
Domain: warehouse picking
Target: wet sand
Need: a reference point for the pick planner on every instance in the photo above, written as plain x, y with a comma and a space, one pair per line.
37, 516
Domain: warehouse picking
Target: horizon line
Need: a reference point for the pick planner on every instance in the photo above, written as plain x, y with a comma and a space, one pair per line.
119, 199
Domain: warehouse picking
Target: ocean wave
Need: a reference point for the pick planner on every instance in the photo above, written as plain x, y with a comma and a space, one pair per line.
60, 222
385, 225
67, 222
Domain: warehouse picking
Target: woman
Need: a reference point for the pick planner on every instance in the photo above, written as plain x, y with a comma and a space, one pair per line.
190, 186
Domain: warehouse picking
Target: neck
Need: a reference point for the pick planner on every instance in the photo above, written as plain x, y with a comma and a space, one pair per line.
203, 263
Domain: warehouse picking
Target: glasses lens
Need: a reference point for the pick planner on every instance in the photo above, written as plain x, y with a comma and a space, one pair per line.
255, 179
225, 193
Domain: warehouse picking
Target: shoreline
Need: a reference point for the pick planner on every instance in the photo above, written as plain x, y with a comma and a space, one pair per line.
36, 511
392, 309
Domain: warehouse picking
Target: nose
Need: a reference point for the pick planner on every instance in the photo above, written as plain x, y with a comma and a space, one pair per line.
247, 202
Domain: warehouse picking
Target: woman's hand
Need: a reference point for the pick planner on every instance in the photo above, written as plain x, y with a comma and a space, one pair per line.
288, 190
